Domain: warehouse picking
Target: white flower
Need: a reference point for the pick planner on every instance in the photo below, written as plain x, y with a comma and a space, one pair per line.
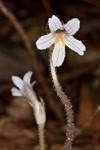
61, 35
24, 88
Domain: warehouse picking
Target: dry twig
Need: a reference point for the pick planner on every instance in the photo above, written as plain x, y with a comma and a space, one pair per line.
88, 122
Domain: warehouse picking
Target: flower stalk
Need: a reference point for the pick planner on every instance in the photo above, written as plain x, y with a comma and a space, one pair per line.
41, 136
68, 108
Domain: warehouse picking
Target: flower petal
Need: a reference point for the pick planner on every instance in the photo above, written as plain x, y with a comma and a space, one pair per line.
58, 54
27, 77
16, 92
33, 83
75, 45
45, 41
54, 24
18, 82
72, 26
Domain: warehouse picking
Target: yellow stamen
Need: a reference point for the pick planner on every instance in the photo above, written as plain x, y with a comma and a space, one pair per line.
59, 37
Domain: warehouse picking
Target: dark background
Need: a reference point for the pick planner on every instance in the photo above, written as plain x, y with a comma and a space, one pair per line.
79, 76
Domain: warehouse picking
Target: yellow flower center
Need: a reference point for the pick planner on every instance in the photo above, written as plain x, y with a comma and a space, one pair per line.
60, 37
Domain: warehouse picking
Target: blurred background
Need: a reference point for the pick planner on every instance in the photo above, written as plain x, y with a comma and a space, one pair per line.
79, 76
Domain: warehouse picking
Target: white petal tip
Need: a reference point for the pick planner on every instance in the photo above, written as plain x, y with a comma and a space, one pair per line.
54, 23
81, 53
76, 19
17, 81
54, 16
45, 41
56, 64
28, 74
84, 48
15, 92
38, 44
13, 78
33, 83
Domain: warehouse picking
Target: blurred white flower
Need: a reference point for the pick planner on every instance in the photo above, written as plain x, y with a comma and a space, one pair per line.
24, 88
61, 35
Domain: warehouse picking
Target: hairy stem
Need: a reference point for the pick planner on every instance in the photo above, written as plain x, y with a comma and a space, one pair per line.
68, 108
41, 136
